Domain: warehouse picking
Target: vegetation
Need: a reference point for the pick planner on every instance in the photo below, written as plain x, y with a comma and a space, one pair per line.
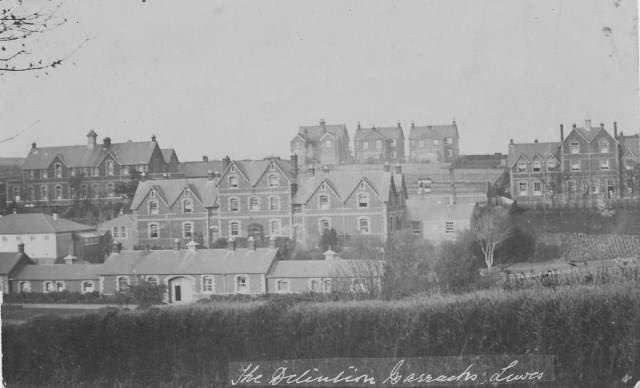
594, 330
147, 294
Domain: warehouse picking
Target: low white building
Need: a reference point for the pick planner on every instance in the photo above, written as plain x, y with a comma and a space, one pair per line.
438, 220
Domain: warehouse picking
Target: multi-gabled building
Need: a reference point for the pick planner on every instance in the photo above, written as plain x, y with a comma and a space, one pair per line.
433, 143
323, 144
534, 169
55, 176
379, 144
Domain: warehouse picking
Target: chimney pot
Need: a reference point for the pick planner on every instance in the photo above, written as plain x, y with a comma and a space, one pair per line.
33, 145
574, 125
322, 123
413, 124
561, 132
21, 248
399, 125
535, 141
205, 158
510, 141
153, 138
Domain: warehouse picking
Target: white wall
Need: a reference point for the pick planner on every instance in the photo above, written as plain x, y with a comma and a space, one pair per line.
35, 245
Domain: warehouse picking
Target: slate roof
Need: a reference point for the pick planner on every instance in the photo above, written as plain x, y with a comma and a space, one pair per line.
314, 133
529, 150
201, 169
9, 260
185, 262
345, 182
433, 131
481, 161
119, 220
167, 153
254, 169
59, 272
427, 210
128, 153
35, 223
171, 189
379, 133
326, 268
631, 143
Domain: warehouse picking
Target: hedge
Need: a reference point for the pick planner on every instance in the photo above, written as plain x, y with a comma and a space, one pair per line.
593, 330
68, 297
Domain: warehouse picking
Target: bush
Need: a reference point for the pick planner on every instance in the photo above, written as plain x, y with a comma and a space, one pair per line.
146, 294
593, 330
67, 297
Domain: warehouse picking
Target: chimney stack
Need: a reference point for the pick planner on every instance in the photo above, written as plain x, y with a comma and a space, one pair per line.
587, 124
176, 244
205, 158
322, 123
413, 124
615, 129
294, 165
398, 168
226, 161
510, 141
21, 248
387, 167
106, 142
153, 138
561, 133
33, 145
91, 139
601, 125
574, 126
399, 125
535, 141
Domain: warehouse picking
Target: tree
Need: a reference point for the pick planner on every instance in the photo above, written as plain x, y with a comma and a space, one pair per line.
146, 294
408, 264
458, 263
329, 240
491, 226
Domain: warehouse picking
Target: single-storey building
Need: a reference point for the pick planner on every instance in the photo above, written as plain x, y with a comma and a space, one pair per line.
45, 278
10, 263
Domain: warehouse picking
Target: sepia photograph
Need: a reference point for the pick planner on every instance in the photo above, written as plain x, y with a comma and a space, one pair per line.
319, 193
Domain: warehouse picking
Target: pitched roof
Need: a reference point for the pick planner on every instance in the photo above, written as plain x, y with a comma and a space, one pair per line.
326, 268
184, 261
171, 189
631, 143
433, 211
129, 153
496, 160
433, 131
58, 272
314, 133
530, 150
379, 132
34, 223
167, 153
9, 260
201, 169
119, 220
344, 183
254, 169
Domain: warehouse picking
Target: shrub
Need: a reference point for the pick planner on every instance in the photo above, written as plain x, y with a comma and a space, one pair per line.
67, 297
146, 294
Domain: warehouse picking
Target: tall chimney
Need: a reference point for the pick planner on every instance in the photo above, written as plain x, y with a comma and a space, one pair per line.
294, 165
322, 123
33, 145
587, 124
226, 161
153, 138
205, 158
21, 248
615, 129
561, 133
574, 125
106, 142
535, 141
91, 139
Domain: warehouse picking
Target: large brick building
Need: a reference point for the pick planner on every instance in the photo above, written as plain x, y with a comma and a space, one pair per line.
588, 163
433, 143
379, 144
55, 176
322, 144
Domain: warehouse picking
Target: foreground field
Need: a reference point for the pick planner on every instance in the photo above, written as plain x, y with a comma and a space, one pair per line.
593, 330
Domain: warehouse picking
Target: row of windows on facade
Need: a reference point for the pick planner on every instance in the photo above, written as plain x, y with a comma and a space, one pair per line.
57, 286
119, 231
416, 227
603, 147
59, 192
31, 238
377, 144
594, 187
273, 180
423, 143
575, 165
109, 170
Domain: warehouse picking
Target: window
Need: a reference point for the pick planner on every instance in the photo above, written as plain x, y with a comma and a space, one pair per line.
274, 203
233, 181
393, 142
282, 285
58, 170
60, 286
88, 286
31, 194
537, 188
48, 287
575, 165
44, 174
254, 203
537, 166
571, 186
84, 189
326, 285
32, 174
628, 164
154, 230
152, 194
242, 284
522, 166
274, 227
323, 202
187, 229
378, 144
96, 171
96, 190
449, 227
152, 280
323, 186
44, 192
58, 192
421, 143
574, 147
604, 146
233, 168
523, 188
16, 193
24, 287
274, 180
234, 204
358, 285
153, 207
123, 231
551, 164
415, 227
110, 168
363, 225
187, 205
115, 232
314, 285
365, 145
208, 284
596, 186
234, 228
449, 152
111, 192
448, 140
363, 200
328, 144
436, 142
122, 283
324, 224
604, 164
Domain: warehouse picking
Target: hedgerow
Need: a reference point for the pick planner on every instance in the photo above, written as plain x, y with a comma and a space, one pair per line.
593, 329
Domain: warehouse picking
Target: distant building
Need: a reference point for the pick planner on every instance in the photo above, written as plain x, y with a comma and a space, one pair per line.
10, 263
47, 278
123, 229
46, 237
171, 160
433, 143
379, 144
440, 220
56, 176
202, 169
322, 144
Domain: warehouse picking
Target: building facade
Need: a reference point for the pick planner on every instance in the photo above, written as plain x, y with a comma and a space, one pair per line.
378, 145
322, 144
433, 143
123, 229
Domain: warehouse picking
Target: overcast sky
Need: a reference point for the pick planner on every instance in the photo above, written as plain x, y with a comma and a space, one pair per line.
239, 77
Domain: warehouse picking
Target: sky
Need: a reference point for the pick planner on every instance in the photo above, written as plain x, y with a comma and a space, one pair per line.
237, 78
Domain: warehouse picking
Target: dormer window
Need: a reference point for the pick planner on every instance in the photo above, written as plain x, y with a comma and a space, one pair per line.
233, 168
604, 164
272, 167
522, 166
153, 207
110, 168
323, 202
187, 205
233, 181
58, 170
551, 164
274, 180
363, 200
604, 147
537, 166
328, 144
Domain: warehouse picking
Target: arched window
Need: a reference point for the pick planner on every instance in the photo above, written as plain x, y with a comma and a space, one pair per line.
24, 287
58, 170
60, 286
234, 204
110, 168
187, 205
234, 228
153, 207
274, 227
274, 180
187, 230
233, 181
274, 203
254, 203
363, 200
58, 192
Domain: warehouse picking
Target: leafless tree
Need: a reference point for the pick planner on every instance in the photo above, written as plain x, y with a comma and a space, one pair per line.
490, 226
